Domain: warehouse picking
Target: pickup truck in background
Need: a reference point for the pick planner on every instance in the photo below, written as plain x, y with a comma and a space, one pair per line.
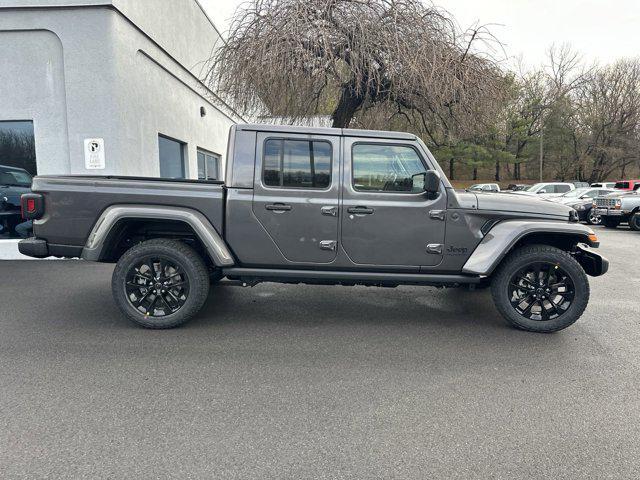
620, 207
316, 206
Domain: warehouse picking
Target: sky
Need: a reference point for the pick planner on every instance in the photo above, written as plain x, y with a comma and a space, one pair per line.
601, 31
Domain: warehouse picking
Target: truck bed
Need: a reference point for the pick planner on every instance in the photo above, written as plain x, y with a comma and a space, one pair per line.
76, 202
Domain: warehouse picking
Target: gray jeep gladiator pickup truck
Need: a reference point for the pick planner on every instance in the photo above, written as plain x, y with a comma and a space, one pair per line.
316, 206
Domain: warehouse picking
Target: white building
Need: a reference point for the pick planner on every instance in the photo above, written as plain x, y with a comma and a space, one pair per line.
110, 88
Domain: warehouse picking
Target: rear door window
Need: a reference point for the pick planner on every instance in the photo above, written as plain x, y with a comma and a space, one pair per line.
297, 164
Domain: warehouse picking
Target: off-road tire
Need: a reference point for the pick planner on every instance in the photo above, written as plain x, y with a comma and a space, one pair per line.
518, 260
610, 222
634, 222
188, 260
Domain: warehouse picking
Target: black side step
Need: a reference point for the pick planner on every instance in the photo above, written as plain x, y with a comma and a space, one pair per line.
328, 276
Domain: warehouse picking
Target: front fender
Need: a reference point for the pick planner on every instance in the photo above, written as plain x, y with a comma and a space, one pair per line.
501, 239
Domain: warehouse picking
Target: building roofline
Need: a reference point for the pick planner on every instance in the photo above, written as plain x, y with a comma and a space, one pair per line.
111, 6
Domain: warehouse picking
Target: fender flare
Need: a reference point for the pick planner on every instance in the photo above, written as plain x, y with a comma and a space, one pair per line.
500, 240
216, 247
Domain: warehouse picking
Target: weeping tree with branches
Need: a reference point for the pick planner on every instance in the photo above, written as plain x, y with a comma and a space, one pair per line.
365, 63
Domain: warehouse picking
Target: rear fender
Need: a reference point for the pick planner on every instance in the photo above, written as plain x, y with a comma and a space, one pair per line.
207, 234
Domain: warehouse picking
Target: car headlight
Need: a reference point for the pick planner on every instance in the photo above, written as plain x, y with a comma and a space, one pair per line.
580, 207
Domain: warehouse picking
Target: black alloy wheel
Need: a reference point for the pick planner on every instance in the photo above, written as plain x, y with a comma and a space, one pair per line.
157, 286
541, 291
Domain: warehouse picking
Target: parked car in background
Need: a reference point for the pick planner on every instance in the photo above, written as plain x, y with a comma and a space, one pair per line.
13, 183
484, 187
619, 207
581, 200
578, 184
604, 185
547, 189
629, 185
514, 187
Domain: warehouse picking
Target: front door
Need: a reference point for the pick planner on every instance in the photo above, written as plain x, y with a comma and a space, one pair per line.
296, 191
387, 220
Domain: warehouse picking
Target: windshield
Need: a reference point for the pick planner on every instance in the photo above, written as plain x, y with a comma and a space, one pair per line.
578, 192
534, 187
15, 178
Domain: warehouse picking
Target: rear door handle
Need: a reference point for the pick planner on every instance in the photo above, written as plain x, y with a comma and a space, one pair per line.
278, 207
360, 210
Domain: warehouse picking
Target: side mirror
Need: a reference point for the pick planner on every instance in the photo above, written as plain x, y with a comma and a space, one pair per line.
541, 191
432, 182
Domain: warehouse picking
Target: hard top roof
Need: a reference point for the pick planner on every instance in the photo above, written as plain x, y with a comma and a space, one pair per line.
326, 131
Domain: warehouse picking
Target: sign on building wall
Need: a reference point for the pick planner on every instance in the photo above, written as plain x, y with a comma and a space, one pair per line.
94, 158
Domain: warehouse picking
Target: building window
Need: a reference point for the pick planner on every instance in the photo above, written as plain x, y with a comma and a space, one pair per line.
385, 168
297, 163
172, 163
17, 166
208, 165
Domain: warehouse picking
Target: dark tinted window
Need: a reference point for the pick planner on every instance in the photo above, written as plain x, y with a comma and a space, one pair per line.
297, 163
623, 185
208, 165
17, 165
385, 168
17, 145
171, 158
562, 188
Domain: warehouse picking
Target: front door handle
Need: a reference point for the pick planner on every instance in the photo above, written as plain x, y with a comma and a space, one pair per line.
360, 210
278, 207
330, 211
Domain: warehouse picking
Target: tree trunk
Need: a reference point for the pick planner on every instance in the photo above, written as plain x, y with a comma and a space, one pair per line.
347, 107
475, 173
497, 170
451, 171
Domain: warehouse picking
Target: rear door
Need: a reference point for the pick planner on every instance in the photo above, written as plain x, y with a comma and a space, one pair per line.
296, 195
385, 222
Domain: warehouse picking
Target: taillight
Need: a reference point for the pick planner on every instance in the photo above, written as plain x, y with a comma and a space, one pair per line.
32, 206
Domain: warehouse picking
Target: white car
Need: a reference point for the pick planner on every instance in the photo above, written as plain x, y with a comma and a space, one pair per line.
547, 189
604, 185
484, 187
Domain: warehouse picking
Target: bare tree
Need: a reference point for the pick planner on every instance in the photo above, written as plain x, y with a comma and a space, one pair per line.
368, 60
608, 104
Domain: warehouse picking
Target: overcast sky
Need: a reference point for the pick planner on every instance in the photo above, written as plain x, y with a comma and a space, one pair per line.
600, 30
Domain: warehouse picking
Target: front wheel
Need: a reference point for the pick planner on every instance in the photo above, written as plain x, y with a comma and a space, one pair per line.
610, 222
634, 222
593, 218
540, 288
160, 283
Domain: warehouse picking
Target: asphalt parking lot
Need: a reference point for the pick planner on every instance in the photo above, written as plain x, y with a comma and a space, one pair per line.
316, 382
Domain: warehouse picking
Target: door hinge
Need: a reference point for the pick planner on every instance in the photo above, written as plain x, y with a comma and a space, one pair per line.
438, 214
330, 245
330, 211
435, 248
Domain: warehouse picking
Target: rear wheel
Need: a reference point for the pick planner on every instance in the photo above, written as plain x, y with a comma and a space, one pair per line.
610, 222
540, 288
634, 221
160, 283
